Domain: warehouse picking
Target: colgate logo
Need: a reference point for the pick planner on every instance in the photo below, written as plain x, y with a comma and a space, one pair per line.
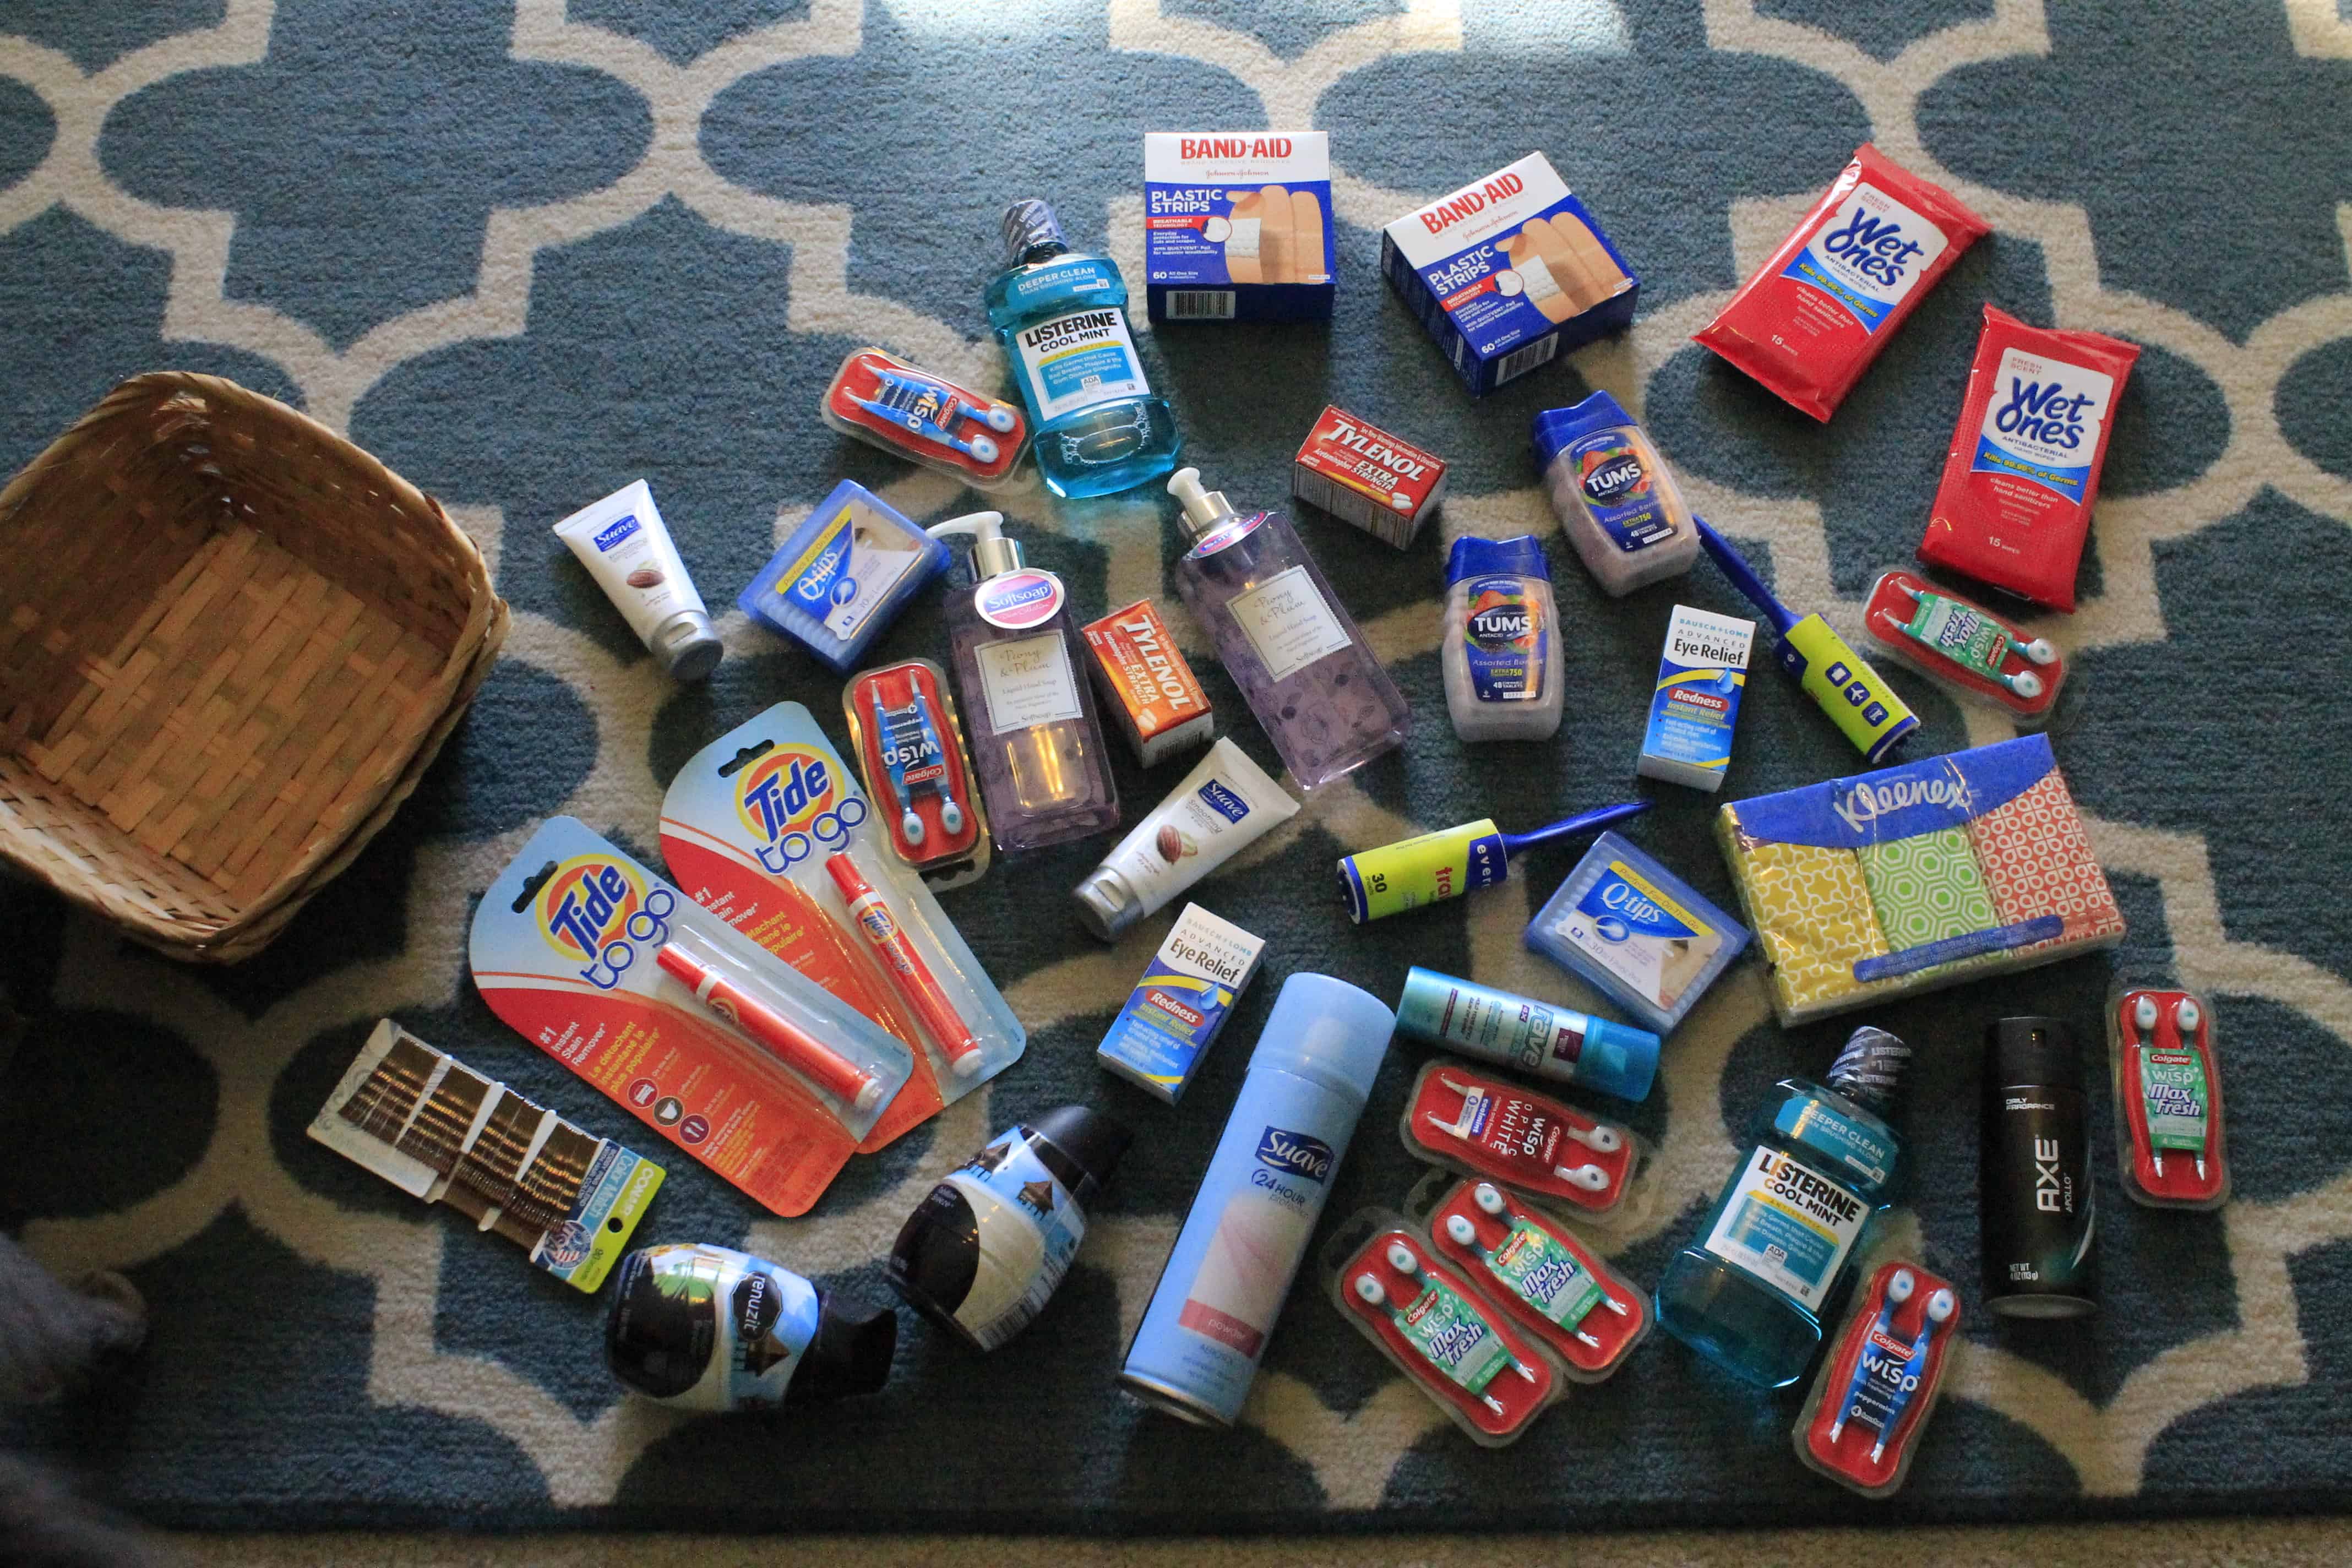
1295, 1153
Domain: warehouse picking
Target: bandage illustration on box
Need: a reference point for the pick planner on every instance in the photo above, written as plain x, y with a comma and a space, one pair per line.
767, 829
758, 1072
1916, 876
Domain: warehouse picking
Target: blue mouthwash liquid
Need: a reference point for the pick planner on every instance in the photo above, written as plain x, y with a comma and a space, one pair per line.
1062, 318
1780, 1243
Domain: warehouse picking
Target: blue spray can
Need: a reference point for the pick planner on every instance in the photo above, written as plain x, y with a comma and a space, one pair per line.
1214, 1307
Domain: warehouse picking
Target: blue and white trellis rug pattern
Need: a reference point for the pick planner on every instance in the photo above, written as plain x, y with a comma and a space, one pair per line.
528, 251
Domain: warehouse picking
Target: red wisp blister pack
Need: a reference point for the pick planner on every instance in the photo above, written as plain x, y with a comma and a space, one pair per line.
2022, 473
1874, 1395
1965, 648
1480, 1125
2168, 1094
1811, 318
1538, 1272
1437, 1329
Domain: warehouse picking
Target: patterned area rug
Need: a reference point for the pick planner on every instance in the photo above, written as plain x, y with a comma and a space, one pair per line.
527, 252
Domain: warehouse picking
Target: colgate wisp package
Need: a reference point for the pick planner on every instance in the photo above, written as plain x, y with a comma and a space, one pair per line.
1814, 316
2023, 468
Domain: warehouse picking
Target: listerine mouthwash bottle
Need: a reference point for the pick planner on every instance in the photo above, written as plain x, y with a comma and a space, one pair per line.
1771, 1255
1062, 318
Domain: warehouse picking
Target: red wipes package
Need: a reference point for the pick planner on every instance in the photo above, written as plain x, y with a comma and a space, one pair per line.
1814, 316
2023, 468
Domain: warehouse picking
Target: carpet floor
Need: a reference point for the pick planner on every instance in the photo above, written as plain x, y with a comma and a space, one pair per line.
528, 251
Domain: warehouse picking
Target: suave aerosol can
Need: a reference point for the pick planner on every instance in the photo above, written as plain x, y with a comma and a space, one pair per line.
1213, 1310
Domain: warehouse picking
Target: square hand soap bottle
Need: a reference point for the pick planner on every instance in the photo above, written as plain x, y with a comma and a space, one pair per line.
1029, 714
1327, 703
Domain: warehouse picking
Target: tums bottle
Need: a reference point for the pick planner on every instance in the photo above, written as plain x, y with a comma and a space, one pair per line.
1062, 318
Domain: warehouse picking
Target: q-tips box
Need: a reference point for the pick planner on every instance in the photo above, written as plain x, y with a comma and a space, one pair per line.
1237, 225
1509, 272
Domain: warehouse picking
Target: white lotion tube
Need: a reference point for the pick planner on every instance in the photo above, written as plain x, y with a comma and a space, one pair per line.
626, 547
1224, 802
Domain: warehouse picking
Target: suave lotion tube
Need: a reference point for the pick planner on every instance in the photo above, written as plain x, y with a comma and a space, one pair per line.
1213, 1310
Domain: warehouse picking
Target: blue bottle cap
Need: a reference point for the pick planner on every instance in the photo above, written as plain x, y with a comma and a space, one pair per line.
1327, 1030
1520, 557
1618, 1059
1556, 428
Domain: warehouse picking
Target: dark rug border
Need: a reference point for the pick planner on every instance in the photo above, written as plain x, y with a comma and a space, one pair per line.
1419, 1518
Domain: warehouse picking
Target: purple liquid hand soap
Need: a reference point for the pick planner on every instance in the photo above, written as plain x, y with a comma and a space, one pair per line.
1029, 713
1289, 644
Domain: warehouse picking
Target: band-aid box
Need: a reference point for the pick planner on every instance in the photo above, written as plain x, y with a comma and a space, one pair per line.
1237, 225
1509, 272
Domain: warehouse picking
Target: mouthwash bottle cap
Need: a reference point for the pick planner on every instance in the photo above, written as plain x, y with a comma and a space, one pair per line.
1327, 1030
1869, 1071
2034, 1050
1090, 1139
992, 554
1203, 510
1555, 429
1519, 557
689, 645
1030, 224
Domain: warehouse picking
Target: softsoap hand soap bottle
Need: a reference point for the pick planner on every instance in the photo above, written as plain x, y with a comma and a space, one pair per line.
1062, 318
1044, 772
1770, 1256
1326, 702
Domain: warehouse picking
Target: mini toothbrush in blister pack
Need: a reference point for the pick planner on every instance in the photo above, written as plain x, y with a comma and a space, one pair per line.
767, 827
2167, 1092
1885, 1371
910, 749
1966, 649
754, 1069
1547, 1280
1436, 1327
1489, 1128
883, 401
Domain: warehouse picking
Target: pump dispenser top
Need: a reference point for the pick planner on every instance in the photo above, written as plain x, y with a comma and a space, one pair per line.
1204, 509
992, 554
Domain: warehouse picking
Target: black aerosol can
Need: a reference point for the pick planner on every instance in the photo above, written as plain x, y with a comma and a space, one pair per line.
2034, 1183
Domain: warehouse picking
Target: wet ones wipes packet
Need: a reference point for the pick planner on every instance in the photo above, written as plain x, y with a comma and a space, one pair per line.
2014, 506
1811, 318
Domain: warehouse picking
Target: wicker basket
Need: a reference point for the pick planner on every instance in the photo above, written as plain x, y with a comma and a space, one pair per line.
230, 645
